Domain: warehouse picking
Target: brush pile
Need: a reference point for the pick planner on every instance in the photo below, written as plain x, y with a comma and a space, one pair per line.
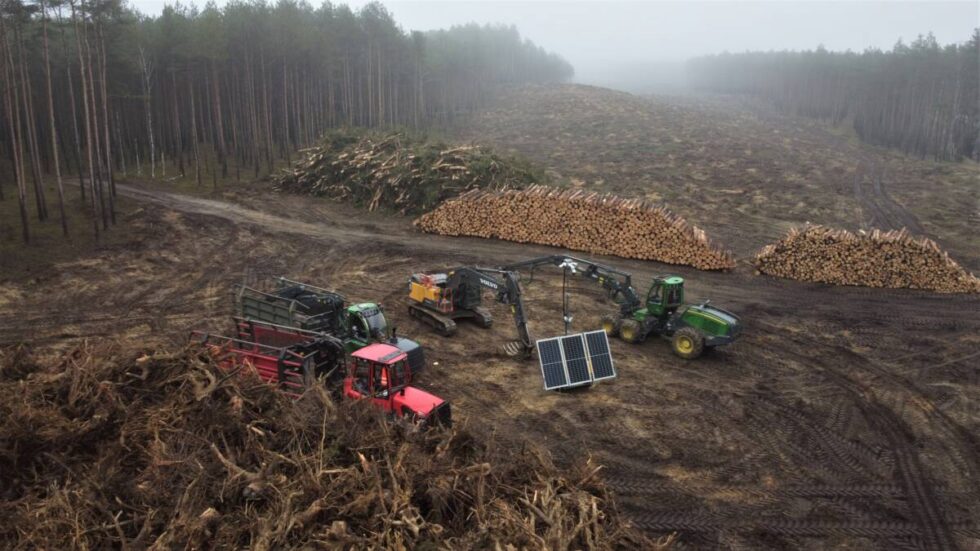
593, 222
108, 449
880, 259
398, 171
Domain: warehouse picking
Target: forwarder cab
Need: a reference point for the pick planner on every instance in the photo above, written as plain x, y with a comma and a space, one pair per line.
381, 372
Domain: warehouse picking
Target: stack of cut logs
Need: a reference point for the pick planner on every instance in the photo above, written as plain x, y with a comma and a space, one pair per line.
397, 171
877, 259
593, 222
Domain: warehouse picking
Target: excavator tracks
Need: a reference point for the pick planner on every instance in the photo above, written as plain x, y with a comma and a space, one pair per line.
442, 324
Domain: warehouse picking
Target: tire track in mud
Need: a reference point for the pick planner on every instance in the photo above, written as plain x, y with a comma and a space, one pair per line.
661, 521
882, 212
923, 501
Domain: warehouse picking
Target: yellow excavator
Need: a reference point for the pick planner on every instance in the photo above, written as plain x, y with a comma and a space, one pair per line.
440, 298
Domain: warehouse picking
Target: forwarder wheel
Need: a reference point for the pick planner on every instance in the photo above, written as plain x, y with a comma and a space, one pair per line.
688, 343
610, 324
631, 331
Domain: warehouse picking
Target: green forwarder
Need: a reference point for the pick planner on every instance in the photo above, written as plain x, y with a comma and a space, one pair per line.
294, 304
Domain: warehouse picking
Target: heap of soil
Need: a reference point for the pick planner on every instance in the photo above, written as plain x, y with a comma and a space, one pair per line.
593, 222
878, 259
399, 171
109, 449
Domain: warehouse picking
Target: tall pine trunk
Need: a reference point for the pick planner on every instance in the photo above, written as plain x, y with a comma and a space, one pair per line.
13, 120
54, 129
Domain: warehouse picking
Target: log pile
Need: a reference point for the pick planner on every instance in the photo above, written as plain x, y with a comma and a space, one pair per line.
106, 448
398, 171
578, 220
891, 259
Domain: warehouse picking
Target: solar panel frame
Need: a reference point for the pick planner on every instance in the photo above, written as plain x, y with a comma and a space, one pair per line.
553, 369
576, 360
600, 356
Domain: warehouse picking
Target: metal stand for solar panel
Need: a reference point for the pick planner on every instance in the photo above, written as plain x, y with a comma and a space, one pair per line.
566, 265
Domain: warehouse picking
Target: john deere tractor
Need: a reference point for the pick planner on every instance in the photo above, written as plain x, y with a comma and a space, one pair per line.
690, 327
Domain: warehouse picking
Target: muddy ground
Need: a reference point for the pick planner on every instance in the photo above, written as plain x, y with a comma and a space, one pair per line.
843, 418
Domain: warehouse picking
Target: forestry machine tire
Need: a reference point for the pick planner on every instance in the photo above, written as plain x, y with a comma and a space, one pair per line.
688, 343
611, 324
631, 331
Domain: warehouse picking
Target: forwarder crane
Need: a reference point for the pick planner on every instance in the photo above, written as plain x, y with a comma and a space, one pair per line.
690, 327
439, 299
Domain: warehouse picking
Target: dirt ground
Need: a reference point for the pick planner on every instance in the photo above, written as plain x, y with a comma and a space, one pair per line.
843, 418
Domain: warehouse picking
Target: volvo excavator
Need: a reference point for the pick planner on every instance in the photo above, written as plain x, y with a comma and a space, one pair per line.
440, 299
691, 328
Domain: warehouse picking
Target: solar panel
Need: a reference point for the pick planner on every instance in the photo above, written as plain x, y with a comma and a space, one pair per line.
599, 355
575, 360
552, 363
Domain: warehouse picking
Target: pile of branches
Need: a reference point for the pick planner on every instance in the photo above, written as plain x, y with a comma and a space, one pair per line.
108, 449
398, 171
593, 222
877, 259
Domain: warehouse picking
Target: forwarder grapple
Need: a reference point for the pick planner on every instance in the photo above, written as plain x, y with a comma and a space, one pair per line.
691, 328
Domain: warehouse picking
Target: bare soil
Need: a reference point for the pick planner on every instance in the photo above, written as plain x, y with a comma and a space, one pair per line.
844, 417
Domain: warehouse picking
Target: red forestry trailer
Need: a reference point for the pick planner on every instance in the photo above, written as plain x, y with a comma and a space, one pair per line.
295, 359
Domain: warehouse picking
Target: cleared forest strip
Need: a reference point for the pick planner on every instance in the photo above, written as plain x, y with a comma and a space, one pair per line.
574, 219
893, 259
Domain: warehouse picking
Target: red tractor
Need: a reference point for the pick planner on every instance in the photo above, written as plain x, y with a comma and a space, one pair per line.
380, 372
294, 359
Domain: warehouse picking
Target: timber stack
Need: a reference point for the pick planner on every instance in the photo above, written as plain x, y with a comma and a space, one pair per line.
399, 171
578, 220
893, 259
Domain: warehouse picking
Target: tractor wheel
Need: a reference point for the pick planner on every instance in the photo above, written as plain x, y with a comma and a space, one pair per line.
610, 324
688, 343
631, 331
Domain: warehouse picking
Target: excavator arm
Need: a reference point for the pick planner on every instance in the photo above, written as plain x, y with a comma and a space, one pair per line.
506, 285
618, 283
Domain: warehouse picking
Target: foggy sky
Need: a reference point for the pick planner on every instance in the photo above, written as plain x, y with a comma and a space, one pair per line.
610, 43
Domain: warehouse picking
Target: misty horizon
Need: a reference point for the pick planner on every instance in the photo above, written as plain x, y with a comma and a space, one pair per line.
642, 46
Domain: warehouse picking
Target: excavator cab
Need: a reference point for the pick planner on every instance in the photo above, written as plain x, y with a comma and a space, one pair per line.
666, 295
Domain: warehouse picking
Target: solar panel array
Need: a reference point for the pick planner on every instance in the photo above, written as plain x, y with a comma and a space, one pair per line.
575, 360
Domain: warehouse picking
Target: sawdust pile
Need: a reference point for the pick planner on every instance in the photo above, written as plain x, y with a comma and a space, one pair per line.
879, 259
593, 222
398, 171
108, 449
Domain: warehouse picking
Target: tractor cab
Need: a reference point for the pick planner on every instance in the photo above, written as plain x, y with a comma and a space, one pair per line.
366, 322
381, 372
666, 295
